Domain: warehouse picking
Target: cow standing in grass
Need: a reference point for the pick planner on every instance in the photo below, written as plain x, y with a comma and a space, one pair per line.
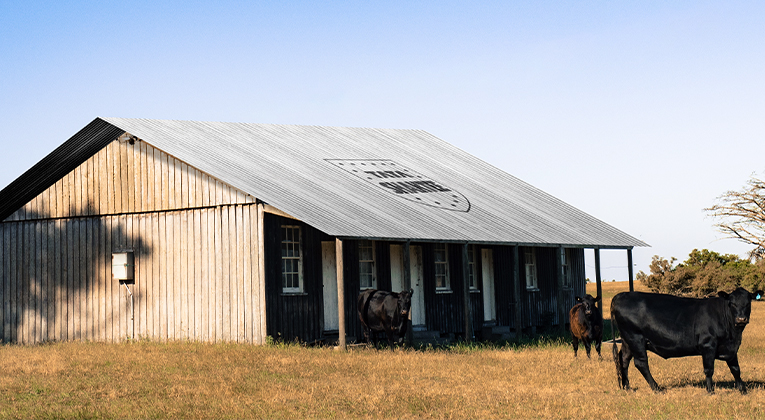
586, 324
387, 312
673, 326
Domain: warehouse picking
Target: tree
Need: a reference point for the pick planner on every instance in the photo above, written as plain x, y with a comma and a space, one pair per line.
703, 274
741, 215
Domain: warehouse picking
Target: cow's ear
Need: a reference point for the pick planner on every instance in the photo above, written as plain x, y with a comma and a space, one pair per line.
756, 295
722, 294
411, 292
597, 299
578, 299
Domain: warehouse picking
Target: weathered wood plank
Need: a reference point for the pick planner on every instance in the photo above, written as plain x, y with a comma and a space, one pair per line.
261, 280
90, 278
76, 332
171, 274
218, 276
197, 270
183, 276
87, 187
60, 279
247, 265
206, 283
184, 196
226, 273
125, 177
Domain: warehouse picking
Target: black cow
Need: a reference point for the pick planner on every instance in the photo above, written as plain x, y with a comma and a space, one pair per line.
387, 312
586, 324
672, 326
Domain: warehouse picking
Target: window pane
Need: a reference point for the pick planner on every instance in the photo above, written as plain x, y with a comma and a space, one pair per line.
365, 280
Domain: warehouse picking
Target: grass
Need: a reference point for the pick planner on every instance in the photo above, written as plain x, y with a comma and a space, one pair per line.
535, 379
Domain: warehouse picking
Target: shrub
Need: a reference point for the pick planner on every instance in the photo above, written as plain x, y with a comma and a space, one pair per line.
704, 273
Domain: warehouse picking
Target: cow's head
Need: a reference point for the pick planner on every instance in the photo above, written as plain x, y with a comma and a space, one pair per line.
740, 304
588, 303
405, 303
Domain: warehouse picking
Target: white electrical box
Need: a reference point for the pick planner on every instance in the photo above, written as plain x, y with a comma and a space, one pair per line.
123, 266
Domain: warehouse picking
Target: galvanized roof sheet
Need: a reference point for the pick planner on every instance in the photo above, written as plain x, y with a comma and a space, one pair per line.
375, 183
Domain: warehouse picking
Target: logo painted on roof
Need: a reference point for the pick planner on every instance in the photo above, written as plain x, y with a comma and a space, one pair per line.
404, 182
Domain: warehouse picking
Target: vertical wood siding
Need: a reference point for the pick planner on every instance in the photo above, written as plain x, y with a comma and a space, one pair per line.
57, 283
294, 316
539, 307
196, 248
445, 311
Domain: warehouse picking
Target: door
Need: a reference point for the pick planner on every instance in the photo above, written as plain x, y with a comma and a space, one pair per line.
487, 276
418, 298
329, 278
396, 268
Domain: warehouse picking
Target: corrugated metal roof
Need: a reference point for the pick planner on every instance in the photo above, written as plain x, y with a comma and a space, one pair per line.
375, 183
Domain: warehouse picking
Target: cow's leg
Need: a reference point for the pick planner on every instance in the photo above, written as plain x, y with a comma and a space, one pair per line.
708, 358
587, 347
389, 334
367, 334
597, 348
576, 345
736, 371
641, 363
623, 364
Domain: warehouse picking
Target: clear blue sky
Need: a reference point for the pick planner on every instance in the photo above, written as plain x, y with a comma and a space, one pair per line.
639, 113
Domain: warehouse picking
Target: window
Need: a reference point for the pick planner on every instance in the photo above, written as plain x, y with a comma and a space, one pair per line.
530, 263
441, 257
472, 273
566, 269
367, 275
292, 260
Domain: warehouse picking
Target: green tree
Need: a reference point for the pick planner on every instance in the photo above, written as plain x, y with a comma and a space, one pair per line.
704, 273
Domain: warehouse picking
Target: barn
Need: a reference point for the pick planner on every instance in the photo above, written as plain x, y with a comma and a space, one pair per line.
234, 232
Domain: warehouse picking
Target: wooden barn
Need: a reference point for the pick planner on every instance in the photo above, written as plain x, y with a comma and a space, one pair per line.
181, 230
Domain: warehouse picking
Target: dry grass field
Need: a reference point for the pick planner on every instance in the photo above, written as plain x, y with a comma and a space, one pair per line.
190, 380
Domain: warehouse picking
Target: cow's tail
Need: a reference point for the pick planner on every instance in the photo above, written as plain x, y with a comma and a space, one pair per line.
615, 351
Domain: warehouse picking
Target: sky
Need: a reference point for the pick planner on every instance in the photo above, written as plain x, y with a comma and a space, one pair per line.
639, 113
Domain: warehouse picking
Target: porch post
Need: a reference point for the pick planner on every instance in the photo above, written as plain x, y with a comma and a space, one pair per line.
629, 269
466, 293
407, 286
597, 279
516, 279
561, 294
340, 294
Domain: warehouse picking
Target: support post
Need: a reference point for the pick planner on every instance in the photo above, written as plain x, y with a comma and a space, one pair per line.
262, 273
629, 269
561, 292
598, 283
340, 294
516, 278
407, 286
466, 293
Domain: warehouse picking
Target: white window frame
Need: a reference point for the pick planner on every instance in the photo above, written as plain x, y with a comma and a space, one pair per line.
566, 268
446, 286
373, 272
530, 266
472, 269
293, 259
